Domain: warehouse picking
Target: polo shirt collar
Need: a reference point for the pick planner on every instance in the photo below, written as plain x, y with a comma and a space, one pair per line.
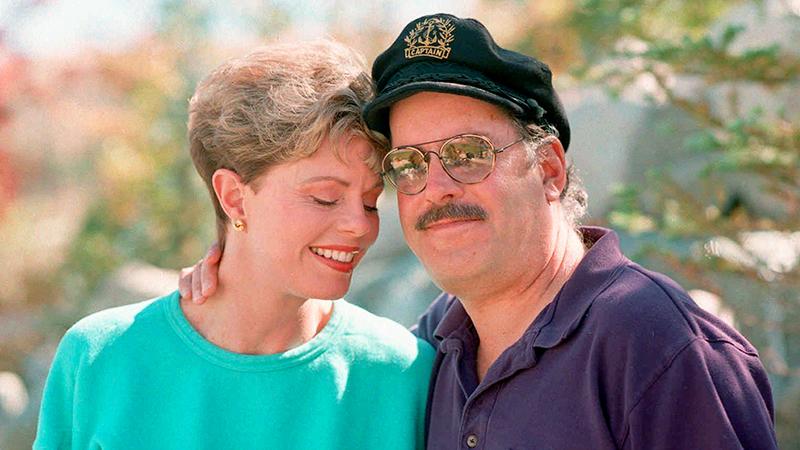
598, 268
454, 319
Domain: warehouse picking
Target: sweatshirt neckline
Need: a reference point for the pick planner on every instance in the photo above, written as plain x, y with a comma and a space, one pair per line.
253, 363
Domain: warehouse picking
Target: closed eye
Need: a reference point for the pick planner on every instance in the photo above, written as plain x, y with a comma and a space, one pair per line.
322, 202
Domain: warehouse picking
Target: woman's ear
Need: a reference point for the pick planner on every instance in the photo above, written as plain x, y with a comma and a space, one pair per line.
229, 188
554, 169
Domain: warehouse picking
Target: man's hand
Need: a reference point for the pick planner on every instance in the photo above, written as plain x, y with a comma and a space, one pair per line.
199, 282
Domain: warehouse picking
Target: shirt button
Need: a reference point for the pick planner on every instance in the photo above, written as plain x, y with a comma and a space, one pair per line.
472, 441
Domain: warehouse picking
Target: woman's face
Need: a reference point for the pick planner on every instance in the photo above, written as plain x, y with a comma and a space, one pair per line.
312, 220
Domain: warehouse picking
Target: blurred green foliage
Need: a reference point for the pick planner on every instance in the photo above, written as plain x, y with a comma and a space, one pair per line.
149, 204
748, 153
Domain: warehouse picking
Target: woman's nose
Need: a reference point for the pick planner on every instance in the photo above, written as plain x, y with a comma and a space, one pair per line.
355, 220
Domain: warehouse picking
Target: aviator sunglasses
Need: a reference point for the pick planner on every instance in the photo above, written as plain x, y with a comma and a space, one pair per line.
466, 158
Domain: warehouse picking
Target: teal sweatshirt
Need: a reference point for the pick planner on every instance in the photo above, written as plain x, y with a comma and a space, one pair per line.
139, 376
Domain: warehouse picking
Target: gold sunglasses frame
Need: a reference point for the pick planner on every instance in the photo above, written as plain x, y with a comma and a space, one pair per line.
427, 159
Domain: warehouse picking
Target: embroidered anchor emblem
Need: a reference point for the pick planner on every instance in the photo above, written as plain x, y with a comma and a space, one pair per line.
431, 37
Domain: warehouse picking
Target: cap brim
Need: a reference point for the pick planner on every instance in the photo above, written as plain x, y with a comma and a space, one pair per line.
376, 113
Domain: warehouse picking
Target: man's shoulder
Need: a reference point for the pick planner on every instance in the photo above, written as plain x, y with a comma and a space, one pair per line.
648, 310
376, 339
649, 339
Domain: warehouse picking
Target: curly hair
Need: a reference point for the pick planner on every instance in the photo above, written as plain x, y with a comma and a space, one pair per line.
574, 198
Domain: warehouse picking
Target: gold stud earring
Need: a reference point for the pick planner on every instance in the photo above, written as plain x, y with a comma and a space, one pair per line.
238, 225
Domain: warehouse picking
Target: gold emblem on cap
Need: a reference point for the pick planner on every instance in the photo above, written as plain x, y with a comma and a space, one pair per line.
431, 37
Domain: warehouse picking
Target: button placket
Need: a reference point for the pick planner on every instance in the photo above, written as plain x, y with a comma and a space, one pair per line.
475, 418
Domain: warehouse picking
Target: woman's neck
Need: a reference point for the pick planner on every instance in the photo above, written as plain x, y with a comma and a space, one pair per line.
246, 315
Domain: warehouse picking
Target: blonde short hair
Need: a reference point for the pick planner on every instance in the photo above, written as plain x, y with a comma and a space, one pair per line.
277, 105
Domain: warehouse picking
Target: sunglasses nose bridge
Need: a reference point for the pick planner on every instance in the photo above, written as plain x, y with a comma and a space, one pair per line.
427, 155
441, 164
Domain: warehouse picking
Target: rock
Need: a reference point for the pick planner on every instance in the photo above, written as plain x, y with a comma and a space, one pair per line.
13, 395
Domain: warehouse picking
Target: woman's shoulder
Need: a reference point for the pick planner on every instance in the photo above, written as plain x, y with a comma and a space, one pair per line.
380, 338
101, 328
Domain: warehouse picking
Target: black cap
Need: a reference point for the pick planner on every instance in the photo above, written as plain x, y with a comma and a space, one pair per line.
444, 53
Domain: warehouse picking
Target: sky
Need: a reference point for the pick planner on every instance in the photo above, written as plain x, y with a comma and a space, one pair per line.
58, 27
41, 28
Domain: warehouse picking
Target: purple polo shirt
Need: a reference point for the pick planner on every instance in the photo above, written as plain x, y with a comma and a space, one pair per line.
622, 358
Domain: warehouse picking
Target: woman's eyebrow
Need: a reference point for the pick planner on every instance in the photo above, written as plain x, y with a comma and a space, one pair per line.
327, 178
379, 184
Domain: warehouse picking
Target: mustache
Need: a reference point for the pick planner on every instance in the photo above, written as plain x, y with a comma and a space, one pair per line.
450, 211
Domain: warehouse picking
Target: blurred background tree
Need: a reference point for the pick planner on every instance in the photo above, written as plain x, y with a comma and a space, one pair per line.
722, 213
97, 190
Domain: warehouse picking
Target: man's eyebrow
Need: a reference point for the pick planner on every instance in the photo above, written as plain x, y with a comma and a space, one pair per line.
473, 132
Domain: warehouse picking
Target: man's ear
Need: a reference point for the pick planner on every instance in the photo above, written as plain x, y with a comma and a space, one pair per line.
554, 169
229, 188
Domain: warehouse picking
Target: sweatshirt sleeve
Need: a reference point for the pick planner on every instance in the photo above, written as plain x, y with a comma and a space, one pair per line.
422, 377
710, 395
55, 428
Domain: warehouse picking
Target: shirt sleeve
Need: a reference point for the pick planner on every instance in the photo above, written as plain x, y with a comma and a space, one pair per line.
710, 395
429, 320
55, 426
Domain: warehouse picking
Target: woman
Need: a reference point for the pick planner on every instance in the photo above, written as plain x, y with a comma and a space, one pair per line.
271, 360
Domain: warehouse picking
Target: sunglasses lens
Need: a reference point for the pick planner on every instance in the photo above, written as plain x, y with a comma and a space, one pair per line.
468, 159
406, 169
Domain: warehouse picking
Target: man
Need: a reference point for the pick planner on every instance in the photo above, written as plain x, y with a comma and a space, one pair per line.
548, 336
